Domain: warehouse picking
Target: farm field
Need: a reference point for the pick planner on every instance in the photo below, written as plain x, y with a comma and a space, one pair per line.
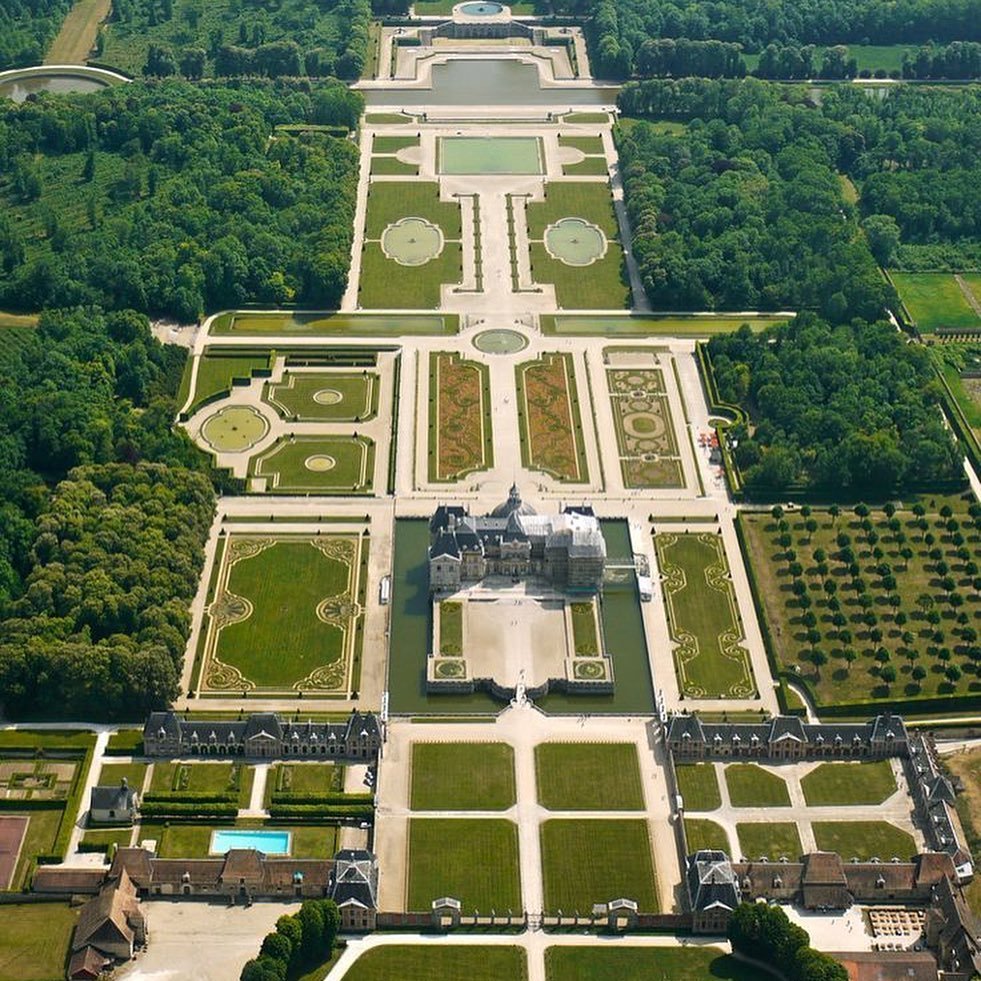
318, 465
462, 777
549, 418
428, 962
703, 616
935, 300
890, 596
774, 840
699, 786
646, 964
285, 614
593, 861
450, 858
588, 777
752, 786
864, 840
461, 438
849, 783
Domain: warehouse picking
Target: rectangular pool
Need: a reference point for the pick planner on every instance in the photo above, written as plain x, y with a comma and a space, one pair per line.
490, 155
269, 842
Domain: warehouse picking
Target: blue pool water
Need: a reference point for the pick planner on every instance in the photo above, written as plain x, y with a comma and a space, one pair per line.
270, 842
481, 9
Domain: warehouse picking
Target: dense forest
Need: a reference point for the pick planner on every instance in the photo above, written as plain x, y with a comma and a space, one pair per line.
225, 37
850, 408
27, 27
620, 29
175, 198
95, 578
744, 210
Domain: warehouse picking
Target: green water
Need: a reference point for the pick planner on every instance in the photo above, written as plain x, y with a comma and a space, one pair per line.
490, 155
410, 633
365, 325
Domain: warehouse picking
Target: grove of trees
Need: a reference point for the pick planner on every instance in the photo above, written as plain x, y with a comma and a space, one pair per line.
100, 548
27, 28
301, 940
848, 408
174, 198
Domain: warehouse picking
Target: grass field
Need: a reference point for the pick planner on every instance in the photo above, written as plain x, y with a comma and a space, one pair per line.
461, 439
585, 637
752, 786
574, 199
864, 840
703, 616
387, 285
390, 201
215, 373
548, 417
473, 860
297, 624
588, 167
598, 286
584, 144
701, 833
112, 774
588, 777
648, 326
392, 144
291, 465
335, 324
328, 397
107, 838
699, 786
587, 862
392, 167
774, 840
603, 963
462, 777
430, 962
234, 780
304, 778
935, 300
849, 783
34, 941
75, 40
967, 766
892, 599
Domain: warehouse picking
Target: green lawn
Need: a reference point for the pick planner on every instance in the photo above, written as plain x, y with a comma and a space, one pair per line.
304, 778
34, 941
233, 779
774, 840
431, 962
887, 591
935, 300
586, 862
284, 640
462, 777
389, 201
330, 397
585, 638
864, 840
752, 786
126, 742
573, 199
849, 783
472, 860
699, 786
450, 627
215, 373
388, 285
392, 144
598, 286
701, 833
112, 774
292, 465
588, 167
588, 777
603, 963
193, 840
585, 144
392, 167
107, 837
703, 616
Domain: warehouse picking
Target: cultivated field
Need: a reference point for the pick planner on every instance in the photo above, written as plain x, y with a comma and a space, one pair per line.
703, 617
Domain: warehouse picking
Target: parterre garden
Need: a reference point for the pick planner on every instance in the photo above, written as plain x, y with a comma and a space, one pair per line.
338, 465
323, 397
389, 284
287, 615
863, 604
703, 616
649, 455
461, 439
550, 425
385, 160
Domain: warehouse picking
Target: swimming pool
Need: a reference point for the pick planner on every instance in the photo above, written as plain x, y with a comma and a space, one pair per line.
269, 842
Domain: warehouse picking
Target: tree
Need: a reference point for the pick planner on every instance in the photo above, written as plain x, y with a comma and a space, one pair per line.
883, 235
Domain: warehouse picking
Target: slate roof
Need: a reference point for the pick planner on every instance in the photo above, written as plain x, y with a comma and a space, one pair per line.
118, 797
355, 878
711, 881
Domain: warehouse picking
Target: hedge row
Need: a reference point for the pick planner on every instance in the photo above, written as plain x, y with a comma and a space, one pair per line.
166, 809
335, 811
182, 797
285, 797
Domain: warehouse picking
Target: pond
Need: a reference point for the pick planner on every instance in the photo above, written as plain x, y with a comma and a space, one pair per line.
19, 89
488, 82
